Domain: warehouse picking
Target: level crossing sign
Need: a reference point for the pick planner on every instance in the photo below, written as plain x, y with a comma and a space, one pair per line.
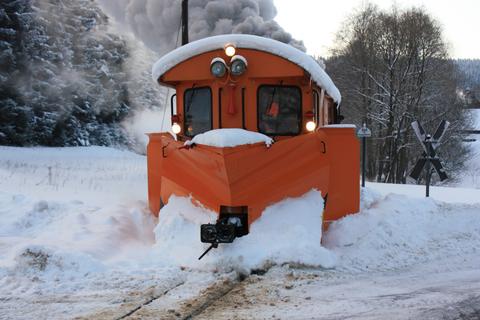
429, 156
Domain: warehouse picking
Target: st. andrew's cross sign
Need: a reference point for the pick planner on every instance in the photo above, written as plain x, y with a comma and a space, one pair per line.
429, 156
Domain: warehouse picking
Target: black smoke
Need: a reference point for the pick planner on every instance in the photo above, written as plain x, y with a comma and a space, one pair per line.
157, 23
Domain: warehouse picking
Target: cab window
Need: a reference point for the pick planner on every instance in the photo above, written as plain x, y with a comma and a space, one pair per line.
279, 110
329, 111
197, 108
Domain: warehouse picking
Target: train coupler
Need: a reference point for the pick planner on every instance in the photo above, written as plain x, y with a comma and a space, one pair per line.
232, 223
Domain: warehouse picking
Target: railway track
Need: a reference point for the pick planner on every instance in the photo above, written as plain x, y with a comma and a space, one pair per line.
191, 307
149, 301
132, 302
211, 296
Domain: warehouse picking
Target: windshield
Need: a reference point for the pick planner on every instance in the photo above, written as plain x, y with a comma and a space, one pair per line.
279, 110
198, 110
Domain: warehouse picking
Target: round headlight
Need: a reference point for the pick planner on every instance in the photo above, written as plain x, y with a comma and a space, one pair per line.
238, 65
310, 126
230, 50
218, 67
176, 128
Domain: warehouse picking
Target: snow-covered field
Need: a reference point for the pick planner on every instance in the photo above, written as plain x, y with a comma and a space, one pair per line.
77, 241
471, 177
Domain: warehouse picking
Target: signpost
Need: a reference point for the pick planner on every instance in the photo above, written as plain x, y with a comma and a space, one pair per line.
429, 156
364, 133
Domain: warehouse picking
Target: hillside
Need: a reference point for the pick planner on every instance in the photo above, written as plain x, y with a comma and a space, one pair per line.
470, 84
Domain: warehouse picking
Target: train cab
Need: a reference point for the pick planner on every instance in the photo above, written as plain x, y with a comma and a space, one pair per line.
258, 85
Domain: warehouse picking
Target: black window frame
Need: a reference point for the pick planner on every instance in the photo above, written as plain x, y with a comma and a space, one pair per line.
316, 106
300, 110
185, 131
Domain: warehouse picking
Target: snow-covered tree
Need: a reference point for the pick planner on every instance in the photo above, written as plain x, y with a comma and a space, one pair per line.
64, 78
393, 68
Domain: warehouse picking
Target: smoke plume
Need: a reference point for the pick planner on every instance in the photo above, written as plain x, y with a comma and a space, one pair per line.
157, 23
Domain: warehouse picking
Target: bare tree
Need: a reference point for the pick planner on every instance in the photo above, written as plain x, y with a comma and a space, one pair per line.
393, 68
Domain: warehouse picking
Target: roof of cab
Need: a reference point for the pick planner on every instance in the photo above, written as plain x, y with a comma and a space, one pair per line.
183, 53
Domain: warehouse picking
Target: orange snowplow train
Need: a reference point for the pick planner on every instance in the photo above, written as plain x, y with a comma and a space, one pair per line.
259, 85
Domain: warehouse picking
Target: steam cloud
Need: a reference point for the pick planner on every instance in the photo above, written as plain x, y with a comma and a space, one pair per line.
157, 22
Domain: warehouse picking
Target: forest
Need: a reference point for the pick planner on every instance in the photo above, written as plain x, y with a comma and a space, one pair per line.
393, 67
65, 80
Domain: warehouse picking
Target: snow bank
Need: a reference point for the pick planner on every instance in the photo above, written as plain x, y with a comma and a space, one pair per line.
283, 50
397, 231
277, 237
289, 231
229, 138
66, 240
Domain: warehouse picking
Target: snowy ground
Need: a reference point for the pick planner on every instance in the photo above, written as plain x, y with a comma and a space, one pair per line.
471, 177
76, 241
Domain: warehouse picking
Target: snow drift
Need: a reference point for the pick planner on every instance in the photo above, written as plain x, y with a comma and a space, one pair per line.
277, 237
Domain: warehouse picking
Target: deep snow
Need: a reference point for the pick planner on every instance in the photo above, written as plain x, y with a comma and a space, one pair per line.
76, 235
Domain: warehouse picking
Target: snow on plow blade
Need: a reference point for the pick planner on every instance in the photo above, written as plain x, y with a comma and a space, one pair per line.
240, 182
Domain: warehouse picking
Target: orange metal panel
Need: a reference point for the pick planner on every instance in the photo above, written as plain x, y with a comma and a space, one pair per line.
257, 176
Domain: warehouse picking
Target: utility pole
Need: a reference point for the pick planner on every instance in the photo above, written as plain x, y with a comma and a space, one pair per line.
364, 133
184, 22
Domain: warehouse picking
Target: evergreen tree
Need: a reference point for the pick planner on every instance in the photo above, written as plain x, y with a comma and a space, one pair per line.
64, 79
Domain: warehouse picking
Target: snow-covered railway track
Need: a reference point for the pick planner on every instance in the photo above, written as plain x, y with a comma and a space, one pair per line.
174, 305
210, 296
152, 299
131, 302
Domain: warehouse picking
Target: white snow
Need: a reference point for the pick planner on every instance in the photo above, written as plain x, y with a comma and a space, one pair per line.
470, 178
229, 137
443, 194
76, 235
395, 231
340, 126
283, 50
277, 237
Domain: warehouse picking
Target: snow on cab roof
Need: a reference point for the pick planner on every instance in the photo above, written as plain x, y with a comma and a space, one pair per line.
245, 41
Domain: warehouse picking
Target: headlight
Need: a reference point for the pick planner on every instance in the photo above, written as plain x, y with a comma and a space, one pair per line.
176, 128
218, 67
310, 126
230, 50
238, 65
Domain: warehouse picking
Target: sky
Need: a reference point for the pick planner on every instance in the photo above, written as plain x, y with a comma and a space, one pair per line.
317, 24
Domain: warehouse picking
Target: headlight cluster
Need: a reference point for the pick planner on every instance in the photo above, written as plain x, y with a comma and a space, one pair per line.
238, 64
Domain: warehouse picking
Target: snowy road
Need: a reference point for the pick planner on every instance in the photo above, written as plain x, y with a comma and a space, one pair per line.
77, 242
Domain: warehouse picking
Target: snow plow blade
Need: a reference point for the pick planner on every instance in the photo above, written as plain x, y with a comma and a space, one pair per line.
240, 182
